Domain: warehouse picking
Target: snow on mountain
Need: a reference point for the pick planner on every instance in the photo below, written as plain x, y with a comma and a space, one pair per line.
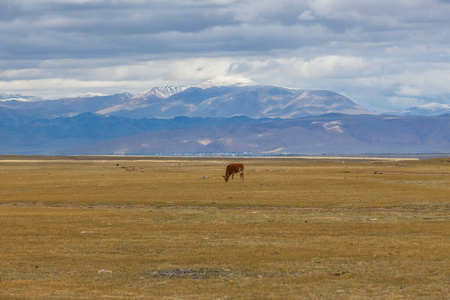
143, 100
159, 94
63, 107
16, 97
225, 81
162, 92
429, 109
233, 96
90, 95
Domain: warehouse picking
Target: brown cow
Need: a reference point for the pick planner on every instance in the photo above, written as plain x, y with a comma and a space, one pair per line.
233, 169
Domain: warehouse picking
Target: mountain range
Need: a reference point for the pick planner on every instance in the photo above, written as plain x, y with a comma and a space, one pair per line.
209, 99
215, 117
325, 134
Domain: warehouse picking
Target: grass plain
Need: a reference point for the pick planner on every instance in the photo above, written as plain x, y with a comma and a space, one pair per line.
170, 228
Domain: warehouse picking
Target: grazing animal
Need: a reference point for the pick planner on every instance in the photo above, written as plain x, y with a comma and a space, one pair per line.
233, 169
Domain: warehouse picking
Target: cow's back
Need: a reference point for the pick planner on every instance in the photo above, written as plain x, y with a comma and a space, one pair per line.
235, 168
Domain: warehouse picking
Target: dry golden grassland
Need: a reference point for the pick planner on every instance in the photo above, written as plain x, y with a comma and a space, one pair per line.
154, 228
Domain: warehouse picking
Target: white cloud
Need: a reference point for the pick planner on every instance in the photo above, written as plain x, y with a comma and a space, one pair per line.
400, 103
307, 15
328, 66
430, 82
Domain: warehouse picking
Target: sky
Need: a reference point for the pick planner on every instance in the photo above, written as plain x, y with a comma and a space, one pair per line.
384, 55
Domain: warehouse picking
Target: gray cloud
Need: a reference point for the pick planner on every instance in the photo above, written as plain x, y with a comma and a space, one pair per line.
381, 54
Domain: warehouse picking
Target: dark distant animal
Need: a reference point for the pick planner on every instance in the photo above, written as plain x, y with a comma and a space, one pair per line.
233, 169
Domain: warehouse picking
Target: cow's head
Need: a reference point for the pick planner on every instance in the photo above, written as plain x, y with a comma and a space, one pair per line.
226, 178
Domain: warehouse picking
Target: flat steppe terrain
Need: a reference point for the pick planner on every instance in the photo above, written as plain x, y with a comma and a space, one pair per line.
171, 228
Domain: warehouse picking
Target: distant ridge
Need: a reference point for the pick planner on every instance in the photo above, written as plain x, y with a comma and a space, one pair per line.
429, 109
329, 134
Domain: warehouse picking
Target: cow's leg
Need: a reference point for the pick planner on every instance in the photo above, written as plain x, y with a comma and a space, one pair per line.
241, 175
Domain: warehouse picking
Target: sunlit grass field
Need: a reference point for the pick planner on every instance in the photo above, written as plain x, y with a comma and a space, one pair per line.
171, 228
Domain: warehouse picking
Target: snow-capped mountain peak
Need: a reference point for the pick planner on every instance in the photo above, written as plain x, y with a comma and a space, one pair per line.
225, 81
428, 109
163, 92
16, 97
433, 106
167, 91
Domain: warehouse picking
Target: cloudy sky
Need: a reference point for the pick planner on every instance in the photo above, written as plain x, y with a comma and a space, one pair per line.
384, 54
